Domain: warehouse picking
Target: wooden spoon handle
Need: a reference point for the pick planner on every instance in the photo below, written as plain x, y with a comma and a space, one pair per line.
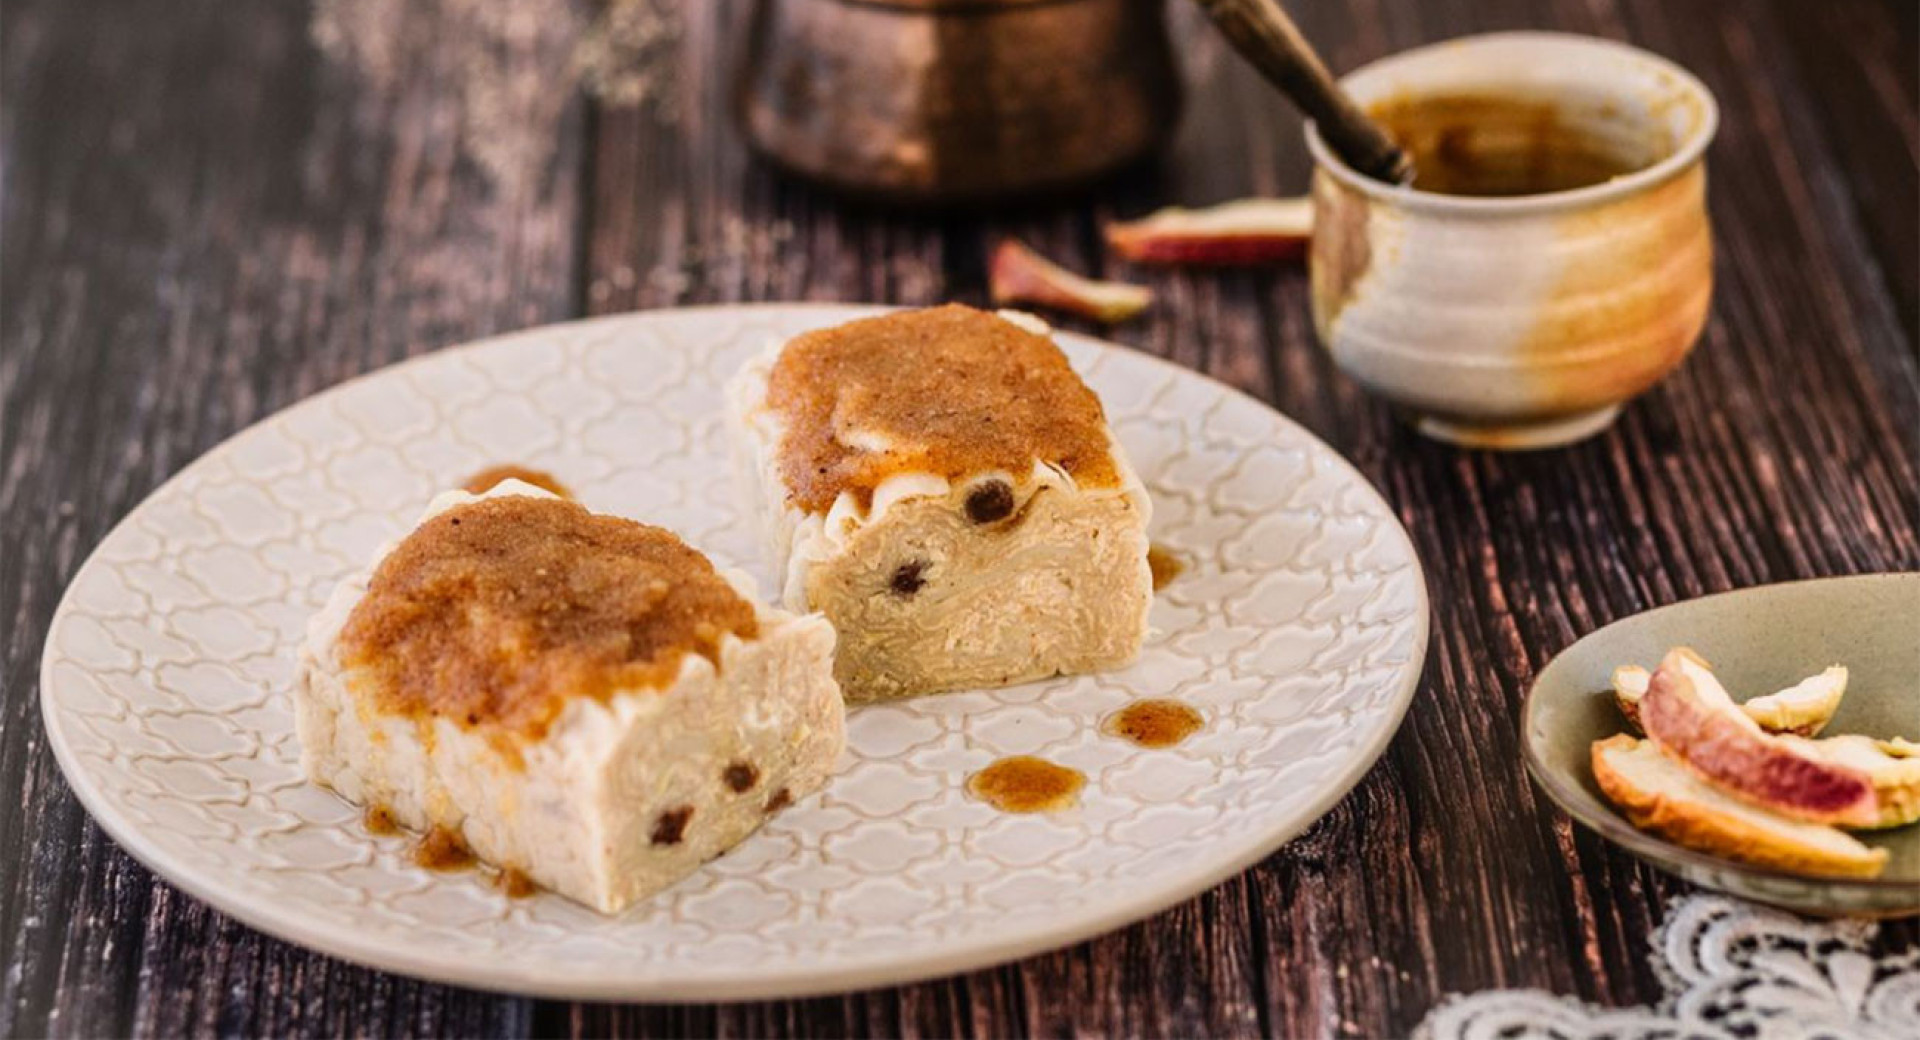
1263, 34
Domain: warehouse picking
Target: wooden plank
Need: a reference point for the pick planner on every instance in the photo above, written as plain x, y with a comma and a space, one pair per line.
1861, 71
213, 209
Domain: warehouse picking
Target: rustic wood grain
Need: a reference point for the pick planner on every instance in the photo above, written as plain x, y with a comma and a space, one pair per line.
206, 214
1859, 64
206, 218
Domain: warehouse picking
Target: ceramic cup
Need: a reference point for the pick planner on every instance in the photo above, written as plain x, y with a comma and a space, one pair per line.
1521, 321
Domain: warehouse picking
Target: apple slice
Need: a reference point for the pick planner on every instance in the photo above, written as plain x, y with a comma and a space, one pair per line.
1630, 684
1802, 709
1659, 795
1629, 688
1247, 231
1892, 766
1690, 717
1017, 274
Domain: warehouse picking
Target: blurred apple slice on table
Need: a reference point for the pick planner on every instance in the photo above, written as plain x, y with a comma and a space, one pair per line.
1018, 275
1246, 231
1659, 795
1689, 717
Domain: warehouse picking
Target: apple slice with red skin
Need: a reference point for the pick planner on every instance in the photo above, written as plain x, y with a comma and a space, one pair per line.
1017, 274
1630, 684
1246, 231
1892, 766
1660, 795
1690, 718
1802, 709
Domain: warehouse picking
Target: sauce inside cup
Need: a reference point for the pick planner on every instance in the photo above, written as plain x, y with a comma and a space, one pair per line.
1495, 145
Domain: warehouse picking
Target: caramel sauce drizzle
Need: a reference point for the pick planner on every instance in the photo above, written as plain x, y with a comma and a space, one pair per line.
1024, 784
1165, 566
442, 849
496, 612
514, 884
956, 391
482, 482
379, 820
1154, 723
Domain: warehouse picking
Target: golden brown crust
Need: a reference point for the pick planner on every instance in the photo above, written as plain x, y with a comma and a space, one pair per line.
1698, 827
954, 391
494, 613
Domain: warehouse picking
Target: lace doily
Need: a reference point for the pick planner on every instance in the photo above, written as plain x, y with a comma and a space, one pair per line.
1729, 969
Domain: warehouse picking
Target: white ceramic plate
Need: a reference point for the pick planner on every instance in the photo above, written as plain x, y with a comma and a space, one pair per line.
1298, 631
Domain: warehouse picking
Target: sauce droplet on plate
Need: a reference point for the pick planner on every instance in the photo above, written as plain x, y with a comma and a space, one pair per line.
379, 820
1164, 565
484, 480
1154, 723
1024, 784
514, 885
442, 849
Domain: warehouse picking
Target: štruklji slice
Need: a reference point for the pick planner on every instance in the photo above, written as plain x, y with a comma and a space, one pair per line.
1658, 795
942, 485
576, 697
1690, 717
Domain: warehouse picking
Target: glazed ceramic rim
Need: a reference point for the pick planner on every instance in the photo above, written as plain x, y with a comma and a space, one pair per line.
1653, 848
880, 969
1685, 154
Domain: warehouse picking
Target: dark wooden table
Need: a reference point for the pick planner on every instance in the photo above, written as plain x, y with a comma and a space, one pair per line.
213, 208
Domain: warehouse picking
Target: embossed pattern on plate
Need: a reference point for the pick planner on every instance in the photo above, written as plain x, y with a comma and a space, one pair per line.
1298, 629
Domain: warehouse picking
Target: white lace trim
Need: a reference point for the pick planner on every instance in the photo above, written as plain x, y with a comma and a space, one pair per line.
1730, 970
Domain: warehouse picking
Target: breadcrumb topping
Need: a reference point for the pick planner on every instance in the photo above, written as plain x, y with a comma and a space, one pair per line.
949, 390
496, 612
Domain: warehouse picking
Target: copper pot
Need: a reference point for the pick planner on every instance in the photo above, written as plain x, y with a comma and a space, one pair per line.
956, 100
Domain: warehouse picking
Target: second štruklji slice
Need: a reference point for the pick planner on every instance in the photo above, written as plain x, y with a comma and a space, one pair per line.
942, 485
